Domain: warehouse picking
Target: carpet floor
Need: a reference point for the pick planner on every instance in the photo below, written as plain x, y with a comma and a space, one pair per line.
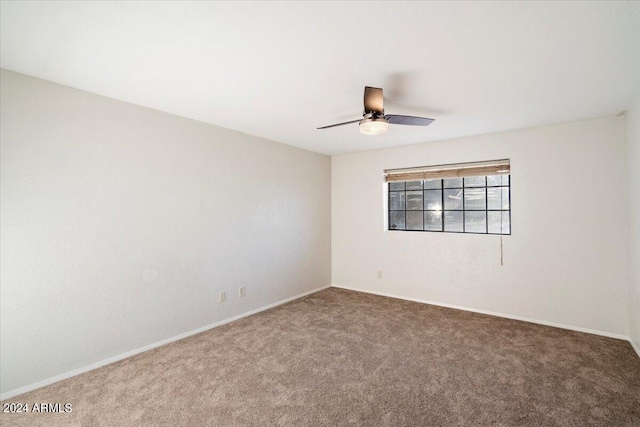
339, 358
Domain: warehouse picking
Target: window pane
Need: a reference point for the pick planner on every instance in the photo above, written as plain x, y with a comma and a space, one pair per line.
498, 198
474, 199
433, 200
474, 181
452, 199
396, 220
396, 200
396, 186
433, 221
433, 184
505, 198
414, 220
495, 222
414, 185
506, 223
475, 222
452, 182
499, 222
414, 200
452, 221
497, 180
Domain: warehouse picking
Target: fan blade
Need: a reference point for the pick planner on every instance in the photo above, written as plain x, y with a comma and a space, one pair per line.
340, 124
408, 120
373, 100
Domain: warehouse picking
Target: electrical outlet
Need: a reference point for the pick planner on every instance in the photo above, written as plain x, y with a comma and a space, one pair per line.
222, 296
242, 291
379, 274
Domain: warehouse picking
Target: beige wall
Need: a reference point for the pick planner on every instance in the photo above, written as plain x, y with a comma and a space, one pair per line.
632, 151
121, 224
565, 262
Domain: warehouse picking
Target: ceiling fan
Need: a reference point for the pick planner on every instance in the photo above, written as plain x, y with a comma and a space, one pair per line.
374, 121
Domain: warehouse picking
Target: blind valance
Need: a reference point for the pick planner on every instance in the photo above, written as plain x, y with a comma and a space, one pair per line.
457, 170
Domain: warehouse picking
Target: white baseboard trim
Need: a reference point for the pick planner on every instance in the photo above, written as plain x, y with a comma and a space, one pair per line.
96, 365
493, 313
635, 346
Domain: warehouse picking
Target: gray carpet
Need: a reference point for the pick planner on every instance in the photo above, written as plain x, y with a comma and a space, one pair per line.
339, 357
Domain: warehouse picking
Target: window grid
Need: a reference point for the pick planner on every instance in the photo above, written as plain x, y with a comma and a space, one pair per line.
443, 211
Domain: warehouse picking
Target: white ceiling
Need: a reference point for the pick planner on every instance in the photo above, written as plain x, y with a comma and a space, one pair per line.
279, 70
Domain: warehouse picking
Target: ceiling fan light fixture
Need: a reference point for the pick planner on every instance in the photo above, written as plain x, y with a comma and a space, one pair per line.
374, 126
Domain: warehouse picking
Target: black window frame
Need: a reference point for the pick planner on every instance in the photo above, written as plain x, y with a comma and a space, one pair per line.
464, 210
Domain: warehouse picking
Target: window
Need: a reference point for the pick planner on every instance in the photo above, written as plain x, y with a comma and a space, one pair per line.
467, 198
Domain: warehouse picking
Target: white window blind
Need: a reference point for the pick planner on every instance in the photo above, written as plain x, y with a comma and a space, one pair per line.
494, 167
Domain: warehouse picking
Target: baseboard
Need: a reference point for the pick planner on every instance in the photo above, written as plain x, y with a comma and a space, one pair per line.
635, 347
493, 313
96, 365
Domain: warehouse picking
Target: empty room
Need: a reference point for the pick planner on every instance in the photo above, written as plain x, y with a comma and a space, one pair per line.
319, 213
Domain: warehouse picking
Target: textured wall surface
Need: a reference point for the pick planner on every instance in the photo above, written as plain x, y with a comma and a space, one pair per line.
121, 224
566, 260
632, 146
